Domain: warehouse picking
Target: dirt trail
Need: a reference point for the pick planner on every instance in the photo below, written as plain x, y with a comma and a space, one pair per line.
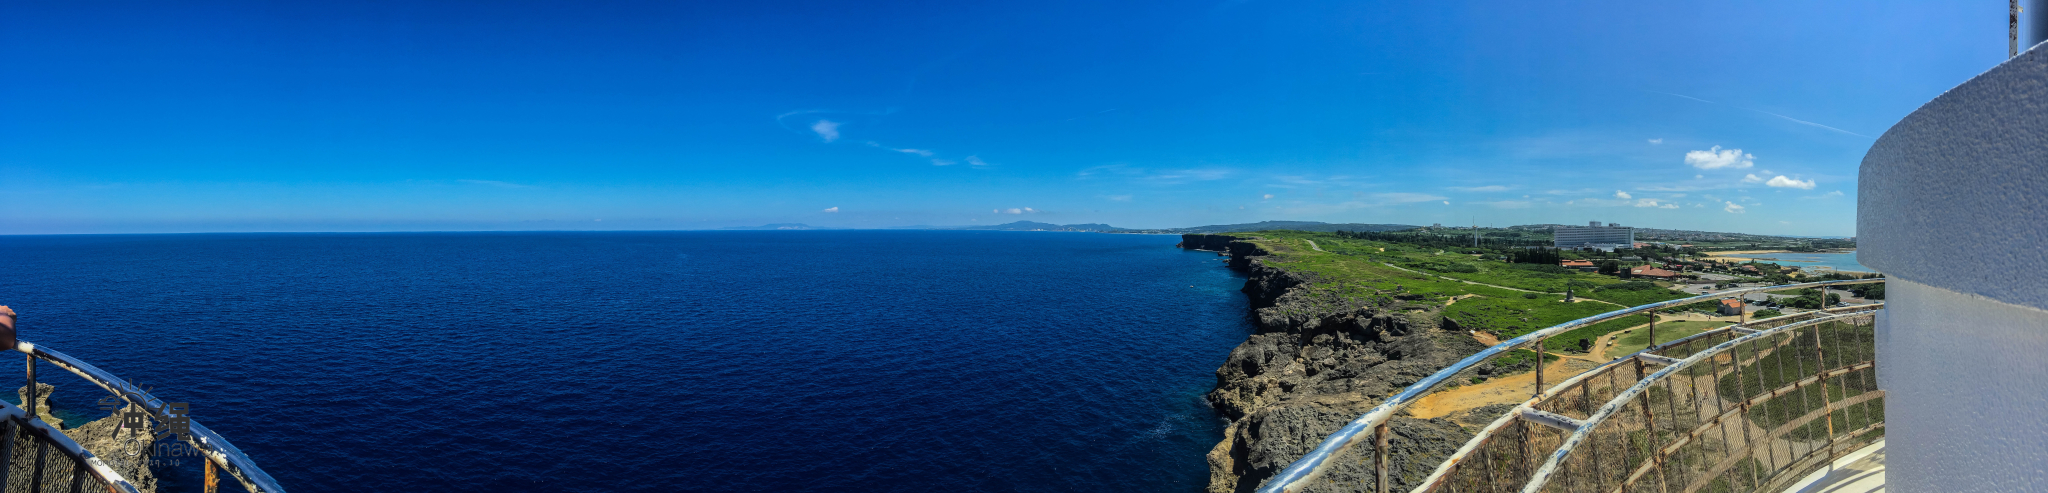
1312, 244
1511, 389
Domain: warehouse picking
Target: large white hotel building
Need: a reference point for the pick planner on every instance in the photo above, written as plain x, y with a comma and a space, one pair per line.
1594, 235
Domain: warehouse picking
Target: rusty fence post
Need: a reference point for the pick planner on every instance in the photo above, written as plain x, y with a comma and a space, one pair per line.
1653, 330
1539, 369
1650, 428
1379, 451
28, 400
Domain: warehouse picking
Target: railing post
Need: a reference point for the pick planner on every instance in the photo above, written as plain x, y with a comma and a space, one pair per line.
1379, 452
1539, 369
1650, 428
28, 399
1653, 329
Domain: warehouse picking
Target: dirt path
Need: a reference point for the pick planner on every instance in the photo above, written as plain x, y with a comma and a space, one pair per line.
1495, 286
1511, 389
1312, 244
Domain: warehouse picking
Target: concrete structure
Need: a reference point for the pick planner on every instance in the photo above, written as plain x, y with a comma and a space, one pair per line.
1961, 343
1604, 238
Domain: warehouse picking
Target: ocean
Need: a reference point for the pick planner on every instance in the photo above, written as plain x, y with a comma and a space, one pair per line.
1845, 261
656, 361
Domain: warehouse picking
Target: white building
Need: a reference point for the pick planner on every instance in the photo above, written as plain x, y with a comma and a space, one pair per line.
1594, 235
1961, 341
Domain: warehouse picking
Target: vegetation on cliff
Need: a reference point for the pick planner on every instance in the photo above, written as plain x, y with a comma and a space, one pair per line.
1343, 322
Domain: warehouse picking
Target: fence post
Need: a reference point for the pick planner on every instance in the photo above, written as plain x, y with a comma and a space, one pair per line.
1650, 428
1820, 356
1539, 369
1379, 451
28, 401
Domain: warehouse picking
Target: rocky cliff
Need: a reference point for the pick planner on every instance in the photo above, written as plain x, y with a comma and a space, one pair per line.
127, 451
1316, 361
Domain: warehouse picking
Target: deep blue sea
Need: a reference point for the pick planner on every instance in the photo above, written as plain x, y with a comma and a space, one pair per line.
656, 361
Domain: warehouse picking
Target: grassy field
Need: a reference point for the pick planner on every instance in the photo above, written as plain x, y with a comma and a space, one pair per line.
1639, 339
1357, 268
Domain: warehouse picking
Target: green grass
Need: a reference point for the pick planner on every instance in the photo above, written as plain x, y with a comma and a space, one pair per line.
1667, 331
1356, 268
1569, 341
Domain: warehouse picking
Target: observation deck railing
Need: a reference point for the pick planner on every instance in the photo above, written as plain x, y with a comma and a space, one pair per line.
1698, 423
221, 456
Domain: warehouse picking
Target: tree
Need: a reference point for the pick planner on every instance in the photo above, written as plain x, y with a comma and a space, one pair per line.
1610, 267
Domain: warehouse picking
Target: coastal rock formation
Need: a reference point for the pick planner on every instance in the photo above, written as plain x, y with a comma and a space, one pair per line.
1317, 361
42, 402
126, 451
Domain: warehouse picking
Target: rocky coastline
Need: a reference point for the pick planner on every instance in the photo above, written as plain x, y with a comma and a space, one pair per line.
119, 448
1316, 361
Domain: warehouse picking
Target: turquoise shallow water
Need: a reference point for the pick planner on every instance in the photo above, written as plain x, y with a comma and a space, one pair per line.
657, 361
1838, 261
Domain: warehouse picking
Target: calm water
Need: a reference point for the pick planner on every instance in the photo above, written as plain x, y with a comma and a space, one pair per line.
1839, 261
810, 360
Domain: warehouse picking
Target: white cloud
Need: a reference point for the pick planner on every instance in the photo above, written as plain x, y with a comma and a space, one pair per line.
1655, 203
1017, 210
919, 152
1715, 158
1656, 141
1698, 177
1118, 198
1447, 202
1782, 182
1752, 178
1269, 196
1622, 195
976, 161
831, 209
943, 162
1836, 193
1732, 208
1488, 188
826, 129
1510, 204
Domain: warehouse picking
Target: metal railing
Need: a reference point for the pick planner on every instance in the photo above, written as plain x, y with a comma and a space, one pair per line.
1371, 430
221, 456
35, 457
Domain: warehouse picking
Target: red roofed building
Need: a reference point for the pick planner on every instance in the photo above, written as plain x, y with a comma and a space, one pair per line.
1731, 307
1575, 264
1652, 272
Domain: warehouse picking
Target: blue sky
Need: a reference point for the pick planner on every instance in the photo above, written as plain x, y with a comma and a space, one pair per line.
378, 116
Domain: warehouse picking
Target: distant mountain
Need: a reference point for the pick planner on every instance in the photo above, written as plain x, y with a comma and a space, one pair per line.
1038, 226
1271, 225
778, 226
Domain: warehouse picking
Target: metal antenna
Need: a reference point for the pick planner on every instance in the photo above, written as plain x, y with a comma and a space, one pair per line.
2012, 36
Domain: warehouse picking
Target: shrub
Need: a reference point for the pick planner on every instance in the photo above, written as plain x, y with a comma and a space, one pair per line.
1529, 295
1766, 313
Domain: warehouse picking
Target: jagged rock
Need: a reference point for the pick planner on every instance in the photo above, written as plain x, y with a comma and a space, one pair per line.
1317, 361
126, 451
42, 402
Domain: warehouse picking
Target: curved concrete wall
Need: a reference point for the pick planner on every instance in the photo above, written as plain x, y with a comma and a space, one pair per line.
1953, 206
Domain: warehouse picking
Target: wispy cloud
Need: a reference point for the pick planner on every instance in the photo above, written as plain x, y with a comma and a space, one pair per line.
1716, 158
1752, 178
1154, 176
976, 161
495, 183
1487, 188
1787, 118
1118, 198
1017, 210
1622, 195
1656, 141
826, 129
1734, 209
1509, 204
1782, 182
833, 209
1647, 202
